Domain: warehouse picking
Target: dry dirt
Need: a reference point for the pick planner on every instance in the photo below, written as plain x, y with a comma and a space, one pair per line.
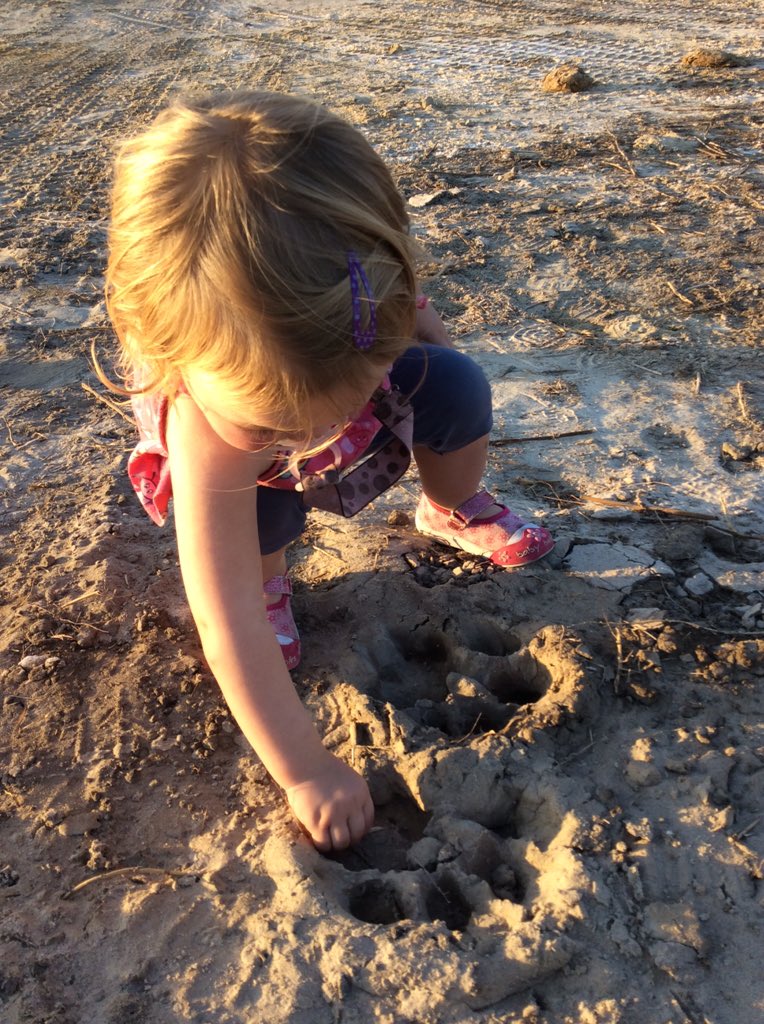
568, 761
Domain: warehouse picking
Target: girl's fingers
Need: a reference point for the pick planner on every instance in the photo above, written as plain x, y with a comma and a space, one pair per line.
358, 826
322, 840
340, 836
368, 814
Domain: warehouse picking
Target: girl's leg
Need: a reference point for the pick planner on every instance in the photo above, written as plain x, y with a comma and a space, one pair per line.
452, 417
452, 478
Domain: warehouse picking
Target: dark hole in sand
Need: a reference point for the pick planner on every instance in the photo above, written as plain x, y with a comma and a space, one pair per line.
397, 825
421, 673
374, 902
488, 637
445, 903
428, 646
515, 684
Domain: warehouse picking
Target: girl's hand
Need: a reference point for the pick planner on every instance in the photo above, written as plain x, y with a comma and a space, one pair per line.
334, 806
430, 328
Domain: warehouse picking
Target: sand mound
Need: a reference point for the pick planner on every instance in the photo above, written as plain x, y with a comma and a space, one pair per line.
567, 78
707, 58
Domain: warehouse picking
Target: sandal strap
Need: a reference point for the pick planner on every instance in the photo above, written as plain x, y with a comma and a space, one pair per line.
278, 585
472, 507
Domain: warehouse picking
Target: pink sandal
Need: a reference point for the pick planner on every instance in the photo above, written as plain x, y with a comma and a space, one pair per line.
503, 537
281, 618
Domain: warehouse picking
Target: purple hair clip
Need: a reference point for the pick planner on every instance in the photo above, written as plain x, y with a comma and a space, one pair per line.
363, 338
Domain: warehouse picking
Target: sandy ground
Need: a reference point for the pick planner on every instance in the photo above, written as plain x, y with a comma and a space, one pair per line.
568, 761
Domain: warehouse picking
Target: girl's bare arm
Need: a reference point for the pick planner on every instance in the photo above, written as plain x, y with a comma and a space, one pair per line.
215, 500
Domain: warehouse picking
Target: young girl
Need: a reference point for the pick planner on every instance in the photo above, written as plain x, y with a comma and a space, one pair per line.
261, 282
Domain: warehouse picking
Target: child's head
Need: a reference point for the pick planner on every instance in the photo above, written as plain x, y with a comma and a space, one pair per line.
239, 223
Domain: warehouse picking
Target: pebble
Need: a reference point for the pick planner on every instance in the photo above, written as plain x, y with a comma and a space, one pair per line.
737, 453
78, 824
398, 518
86, 637
32, 661
698, 585
649, 618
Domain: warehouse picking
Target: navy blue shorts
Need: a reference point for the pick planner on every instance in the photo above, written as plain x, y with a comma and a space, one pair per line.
451, 400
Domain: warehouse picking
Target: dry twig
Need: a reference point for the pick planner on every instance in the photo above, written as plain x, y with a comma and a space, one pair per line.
121, 873
499, 442
679, 295
107, 401
619, 149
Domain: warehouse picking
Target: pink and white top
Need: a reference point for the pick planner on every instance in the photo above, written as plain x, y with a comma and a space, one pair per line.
319, 476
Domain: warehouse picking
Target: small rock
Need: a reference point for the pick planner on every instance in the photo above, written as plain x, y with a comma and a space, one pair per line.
78, 824
620, 936
424, 853
427, 198
698, 585
641, 829
737, 453
8, 877
86, 636
613, 515
31, 661
648, 618
99, 858
640, 690
567, 78
464, 686
398, 518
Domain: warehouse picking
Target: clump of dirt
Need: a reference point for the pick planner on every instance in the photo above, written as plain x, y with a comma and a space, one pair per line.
702, 57
568, 78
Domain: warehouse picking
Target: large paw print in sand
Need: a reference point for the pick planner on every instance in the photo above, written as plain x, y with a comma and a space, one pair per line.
473, 849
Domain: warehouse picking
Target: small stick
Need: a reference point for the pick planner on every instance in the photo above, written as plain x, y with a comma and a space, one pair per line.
628, 506
744, 410
80, 597
107, 401
638, 506
631, 168
744, 832
577, 753
10, 432
120, 873
657, 227
679, 295
468, 734
619, 664
331, 554
499, 442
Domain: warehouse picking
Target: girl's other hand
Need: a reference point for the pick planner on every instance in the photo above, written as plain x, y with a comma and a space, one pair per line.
430, 328
334, 806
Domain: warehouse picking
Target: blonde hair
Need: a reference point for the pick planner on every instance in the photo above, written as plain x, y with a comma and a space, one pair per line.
231, 223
